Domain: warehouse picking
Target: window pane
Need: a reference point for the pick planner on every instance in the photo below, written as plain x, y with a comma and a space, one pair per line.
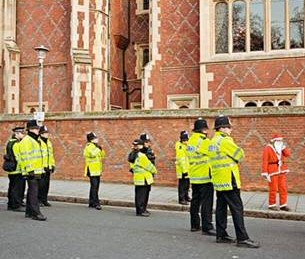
221, 28
145, 4
145, 57
267, 103
257, 21
250, 104
239, 26
278, 24
296, 18
284, 103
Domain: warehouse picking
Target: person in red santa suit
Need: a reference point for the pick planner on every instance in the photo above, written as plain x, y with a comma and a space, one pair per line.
274, 171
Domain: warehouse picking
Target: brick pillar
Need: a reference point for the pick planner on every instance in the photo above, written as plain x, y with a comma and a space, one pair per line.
81, 61
11, 58
100, 53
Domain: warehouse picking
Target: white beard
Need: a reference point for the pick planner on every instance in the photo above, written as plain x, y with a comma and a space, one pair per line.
278, 146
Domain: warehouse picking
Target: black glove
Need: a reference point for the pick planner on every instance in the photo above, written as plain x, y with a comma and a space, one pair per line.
131, 170
184, 175
53, 169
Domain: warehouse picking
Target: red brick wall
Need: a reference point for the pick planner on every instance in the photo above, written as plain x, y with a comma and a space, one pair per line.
252, 130
254, 75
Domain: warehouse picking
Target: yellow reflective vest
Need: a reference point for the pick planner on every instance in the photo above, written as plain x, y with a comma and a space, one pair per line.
225, 156
94, 157
182, 163
47, 154
30, 156
143, 170
199, 162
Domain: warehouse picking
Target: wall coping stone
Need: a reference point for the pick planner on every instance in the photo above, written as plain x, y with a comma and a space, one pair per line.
282, 111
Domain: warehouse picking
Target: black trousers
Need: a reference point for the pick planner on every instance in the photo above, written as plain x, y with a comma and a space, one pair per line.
32, 203
233, 200
202, 195
14, 193
141, 198
43, 188
93, 194
183, 189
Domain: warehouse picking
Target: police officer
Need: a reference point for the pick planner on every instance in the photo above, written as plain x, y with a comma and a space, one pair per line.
31, 162
147, 150
94, 155
48, 164
143, 170
16, 187
182, 168
200, 178
225, 157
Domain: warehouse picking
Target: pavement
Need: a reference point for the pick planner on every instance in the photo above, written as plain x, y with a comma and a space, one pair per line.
162, 198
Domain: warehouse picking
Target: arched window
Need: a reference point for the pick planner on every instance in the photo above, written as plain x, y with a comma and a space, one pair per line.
145, 57
183, 107
221, 27
267, 103
250, 104
239, 26
284, 103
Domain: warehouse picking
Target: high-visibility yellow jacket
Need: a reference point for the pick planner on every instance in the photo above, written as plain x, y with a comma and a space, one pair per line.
143, 170
94, 157
47, 154
199, 162
225, 156
182, 163
30, 156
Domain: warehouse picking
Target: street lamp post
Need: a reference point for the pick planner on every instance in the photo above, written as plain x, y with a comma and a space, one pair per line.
42, 52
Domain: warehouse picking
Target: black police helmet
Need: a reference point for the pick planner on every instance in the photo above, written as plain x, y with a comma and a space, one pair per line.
32, 124
144, 137
91, 136
200, 124
184, 135
222, 122
43, 129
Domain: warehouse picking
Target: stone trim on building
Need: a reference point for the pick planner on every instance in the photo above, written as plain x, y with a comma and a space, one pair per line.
81, 60
154, 35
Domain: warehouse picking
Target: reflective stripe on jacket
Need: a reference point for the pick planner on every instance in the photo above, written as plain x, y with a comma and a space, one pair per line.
94, 157
199, 162
47, 154
182, 164
225, 155
30, 156
143, 170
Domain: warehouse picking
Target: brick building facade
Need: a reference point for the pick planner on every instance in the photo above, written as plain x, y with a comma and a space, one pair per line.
152, 54
155, 54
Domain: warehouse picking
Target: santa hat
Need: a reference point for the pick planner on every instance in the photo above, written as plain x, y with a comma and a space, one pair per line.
276, 137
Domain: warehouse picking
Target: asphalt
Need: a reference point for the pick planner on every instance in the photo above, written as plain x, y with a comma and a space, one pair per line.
162, 198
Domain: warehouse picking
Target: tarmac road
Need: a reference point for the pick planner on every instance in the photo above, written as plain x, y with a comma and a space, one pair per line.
74, 231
